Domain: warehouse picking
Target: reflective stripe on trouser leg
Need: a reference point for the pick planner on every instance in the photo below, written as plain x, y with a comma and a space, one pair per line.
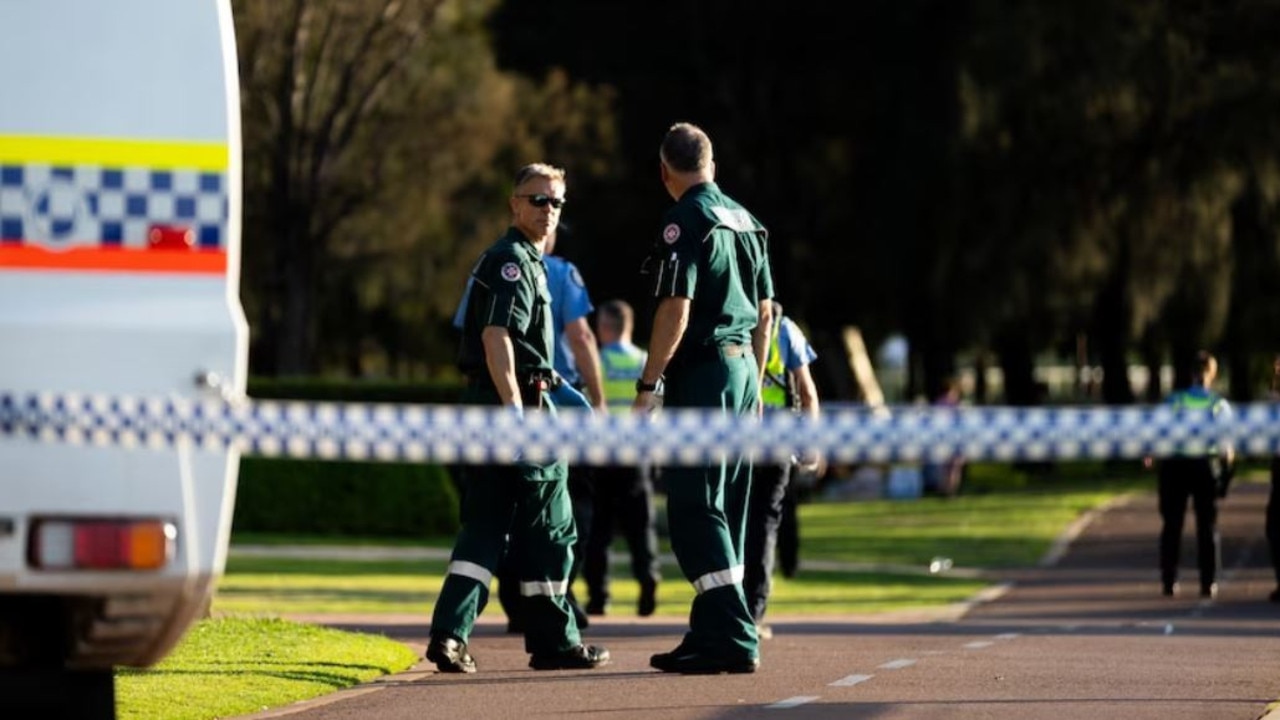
471, 570
719, 578
549, 588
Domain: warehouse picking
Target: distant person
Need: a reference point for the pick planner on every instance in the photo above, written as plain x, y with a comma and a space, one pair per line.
772, 522
944, 478
506, 356
1273, 499
623, 494
1203, 476
709, 273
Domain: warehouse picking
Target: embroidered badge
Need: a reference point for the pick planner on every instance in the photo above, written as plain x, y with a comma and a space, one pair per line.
511, 272
671, 233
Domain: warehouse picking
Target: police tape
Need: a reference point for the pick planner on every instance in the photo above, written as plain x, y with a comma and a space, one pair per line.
468, 434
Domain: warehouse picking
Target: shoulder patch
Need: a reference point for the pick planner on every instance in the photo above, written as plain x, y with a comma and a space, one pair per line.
671, 233
576, 276
511, 272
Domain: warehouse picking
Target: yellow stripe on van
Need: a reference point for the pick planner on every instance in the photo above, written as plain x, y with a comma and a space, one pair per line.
151, 154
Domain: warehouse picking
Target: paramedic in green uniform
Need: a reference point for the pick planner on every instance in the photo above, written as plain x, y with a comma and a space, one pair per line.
710, 275
506, 356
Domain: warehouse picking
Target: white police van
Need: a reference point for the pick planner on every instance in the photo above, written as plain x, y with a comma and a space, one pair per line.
119, 276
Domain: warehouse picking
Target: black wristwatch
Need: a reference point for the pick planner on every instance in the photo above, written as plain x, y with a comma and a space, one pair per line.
644, 387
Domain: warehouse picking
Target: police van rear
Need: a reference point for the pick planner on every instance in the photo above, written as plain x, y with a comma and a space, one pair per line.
119, 277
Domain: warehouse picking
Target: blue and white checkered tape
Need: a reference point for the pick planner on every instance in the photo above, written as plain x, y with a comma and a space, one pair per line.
467, 434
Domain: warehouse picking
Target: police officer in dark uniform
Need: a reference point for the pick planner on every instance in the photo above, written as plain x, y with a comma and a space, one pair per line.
1202, 476
710, 274
506, 354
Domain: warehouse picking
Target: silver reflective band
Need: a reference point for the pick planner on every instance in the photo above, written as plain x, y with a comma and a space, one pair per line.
471, 570
719, 578
550, 588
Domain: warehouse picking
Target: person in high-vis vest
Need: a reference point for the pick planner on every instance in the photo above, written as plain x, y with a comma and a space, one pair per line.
1203, 476
506, 355
772, 526
709, 271
623, 494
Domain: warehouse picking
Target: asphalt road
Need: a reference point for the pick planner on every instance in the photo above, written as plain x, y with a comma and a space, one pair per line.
1088, 637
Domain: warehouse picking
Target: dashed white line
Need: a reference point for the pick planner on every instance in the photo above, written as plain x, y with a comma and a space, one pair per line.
1006, 636
791, 702
1168, 629
979, 644
850, 680
898, 664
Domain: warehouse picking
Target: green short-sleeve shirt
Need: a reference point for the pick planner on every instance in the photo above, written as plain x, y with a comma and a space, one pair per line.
509, 290
714, 252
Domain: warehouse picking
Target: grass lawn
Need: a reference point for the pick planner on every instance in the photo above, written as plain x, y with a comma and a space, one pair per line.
238, 666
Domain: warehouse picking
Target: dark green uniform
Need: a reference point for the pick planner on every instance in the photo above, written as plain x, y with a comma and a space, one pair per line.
713, 251
526, 500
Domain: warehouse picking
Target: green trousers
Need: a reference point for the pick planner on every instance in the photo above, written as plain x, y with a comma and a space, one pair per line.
707, 511
527, 505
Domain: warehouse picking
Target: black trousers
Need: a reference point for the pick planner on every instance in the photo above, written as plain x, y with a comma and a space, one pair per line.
772, 534
1180, 479
622, 501
1273, 518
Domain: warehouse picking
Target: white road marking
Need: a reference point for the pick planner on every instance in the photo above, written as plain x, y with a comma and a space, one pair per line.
1006, 636
898, 664
850, 680
979, 644
1168, 629
791, 702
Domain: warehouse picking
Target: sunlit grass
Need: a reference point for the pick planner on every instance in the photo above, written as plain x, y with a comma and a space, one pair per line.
236, 666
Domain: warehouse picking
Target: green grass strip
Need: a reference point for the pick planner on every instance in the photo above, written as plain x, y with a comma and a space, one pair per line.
236, 666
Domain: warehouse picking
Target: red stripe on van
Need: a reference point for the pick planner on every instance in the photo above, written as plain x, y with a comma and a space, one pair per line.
113, 259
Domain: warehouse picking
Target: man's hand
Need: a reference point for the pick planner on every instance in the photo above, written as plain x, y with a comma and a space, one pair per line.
645, 403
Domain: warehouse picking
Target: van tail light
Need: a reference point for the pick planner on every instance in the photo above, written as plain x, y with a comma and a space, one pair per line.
170, 237
95, 544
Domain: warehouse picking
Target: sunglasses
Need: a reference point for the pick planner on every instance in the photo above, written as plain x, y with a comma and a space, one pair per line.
540, 201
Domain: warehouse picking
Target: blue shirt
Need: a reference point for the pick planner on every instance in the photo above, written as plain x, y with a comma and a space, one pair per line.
793, 347
569, 301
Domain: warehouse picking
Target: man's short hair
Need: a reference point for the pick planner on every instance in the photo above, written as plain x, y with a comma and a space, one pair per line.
618, 311
537, 170
1206, 364
686, 148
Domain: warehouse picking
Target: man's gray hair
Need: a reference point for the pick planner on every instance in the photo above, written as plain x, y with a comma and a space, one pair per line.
536, 170
686, 148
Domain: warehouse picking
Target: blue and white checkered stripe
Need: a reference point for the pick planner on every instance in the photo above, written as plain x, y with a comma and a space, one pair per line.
453, 434
65, 206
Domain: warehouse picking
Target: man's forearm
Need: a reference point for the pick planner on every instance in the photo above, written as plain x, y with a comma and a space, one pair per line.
806, 391
669, 324
587, 356
761, 337
500, 359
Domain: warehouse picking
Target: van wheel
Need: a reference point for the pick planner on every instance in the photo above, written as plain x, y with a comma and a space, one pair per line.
57, 693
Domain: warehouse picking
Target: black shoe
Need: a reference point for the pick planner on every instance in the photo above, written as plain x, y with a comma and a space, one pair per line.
597, 607
450, 656
582, 657
1169, 589
1209, 591
1274, 596
648, 599
692, 662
